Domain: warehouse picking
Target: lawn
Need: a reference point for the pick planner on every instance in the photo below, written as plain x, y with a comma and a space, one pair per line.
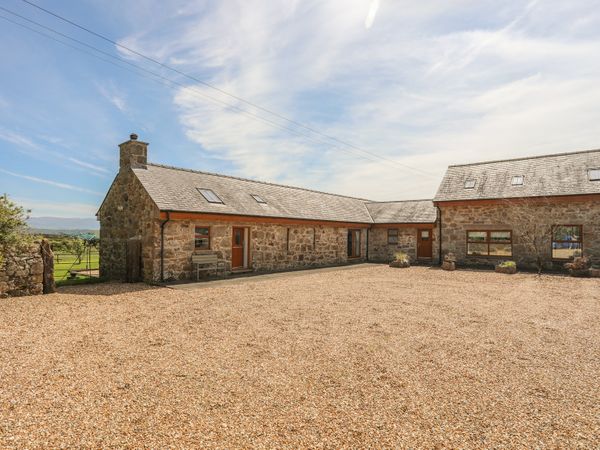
66, 262
367, 356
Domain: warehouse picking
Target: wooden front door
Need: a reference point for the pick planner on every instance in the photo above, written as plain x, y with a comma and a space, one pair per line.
424, 244
237, 248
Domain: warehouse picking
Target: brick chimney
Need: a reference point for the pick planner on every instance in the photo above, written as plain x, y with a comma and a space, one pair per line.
133, 153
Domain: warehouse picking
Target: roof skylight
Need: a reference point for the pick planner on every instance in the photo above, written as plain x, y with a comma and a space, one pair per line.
517, 180
210, 196
258, 198
594, 174
469, 184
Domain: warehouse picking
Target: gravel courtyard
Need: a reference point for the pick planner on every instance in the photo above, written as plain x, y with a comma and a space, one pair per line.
367, 356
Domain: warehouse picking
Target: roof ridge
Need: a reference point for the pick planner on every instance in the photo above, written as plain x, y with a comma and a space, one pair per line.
255, 181
523, 158
401, 201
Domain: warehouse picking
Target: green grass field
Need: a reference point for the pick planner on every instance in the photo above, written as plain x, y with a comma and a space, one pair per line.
63, 263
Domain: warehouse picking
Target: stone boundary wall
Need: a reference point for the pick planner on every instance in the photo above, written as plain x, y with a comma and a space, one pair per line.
22, 274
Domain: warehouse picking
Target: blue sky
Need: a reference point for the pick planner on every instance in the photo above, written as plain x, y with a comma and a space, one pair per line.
423, 84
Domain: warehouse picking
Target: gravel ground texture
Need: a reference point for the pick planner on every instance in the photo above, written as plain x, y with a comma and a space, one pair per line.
368, 357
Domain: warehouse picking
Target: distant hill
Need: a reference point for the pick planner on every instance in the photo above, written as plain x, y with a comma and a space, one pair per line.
63, 224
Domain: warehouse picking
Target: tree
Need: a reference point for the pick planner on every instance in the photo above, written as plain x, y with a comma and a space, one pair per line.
13, 226
527, 216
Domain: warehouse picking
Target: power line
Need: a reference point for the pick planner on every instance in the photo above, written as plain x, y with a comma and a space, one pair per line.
211, 86
154, 76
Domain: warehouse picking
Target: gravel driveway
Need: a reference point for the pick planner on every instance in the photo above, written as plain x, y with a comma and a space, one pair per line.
363, 357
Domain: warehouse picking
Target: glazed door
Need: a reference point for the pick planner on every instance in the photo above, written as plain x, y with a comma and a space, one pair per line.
424, 245
353, 243
237, 248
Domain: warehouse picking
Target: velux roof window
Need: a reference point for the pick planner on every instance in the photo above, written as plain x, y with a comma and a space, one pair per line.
210, 196
594, 174
517, 180
469, 184
258, 199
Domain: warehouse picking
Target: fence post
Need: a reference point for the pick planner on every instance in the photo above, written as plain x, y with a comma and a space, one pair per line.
48, 261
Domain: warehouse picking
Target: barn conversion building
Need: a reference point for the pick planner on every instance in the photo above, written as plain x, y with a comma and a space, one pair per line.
155, 218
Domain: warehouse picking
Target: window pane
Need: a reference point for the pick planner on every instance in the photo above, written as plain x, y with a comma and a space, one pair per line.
500, 250
517, 180
500, 236
201, 243
425, 235
567, 233
392, 239
258, 198
565, 250
201, 231
393, 232
477, 249
477, 236
210, 196
594, 174
469, 184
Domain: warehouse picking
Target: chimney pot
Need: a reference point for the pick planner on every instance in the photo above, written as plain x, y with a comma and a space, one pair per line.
133, 136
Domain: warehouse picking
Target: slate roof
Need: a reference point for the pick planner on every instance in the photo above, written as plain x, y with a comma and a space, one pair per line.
408, 211
549, 175
175, 189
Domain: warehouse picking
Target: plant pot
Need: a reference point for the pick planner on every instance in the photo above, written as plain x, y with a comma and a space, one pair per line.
510, 270
400, 264
449, 265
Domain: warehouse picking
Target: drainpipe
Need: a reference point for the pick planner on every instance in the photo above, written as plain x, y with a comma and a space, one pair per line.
162, 247
439, 235
367, 244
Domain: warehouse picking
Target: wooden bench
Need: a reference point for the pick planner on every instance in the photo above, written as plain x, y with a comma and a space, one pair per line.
206, 262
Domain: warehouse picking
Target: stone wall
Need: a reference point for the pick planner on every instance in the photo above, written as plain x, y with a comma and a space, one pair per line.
268, 246
22, 273
381, 251
127, 212
456, 220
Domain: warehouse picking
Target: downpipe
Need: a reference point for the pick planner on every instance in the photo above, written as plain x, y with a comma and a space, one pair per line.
162, 247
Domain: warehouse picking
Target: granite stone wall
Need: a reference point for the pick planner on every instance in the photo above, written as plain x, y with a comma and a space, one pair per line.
22, 273
456, 220
381, 251
127, 212
269, 248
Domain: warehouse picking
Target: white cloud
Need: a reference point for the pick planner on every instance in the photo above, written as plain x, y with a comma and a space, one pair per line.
111, 93
429, 84
57, 184
57, 209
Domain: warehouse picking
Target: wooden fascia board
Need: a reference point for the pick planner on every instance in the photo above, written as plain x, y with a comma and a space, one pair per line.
428, 225
176, 215
521, 200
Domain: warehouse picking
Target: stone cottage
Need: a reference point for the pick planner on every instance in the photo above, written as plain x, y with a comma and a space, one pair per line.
154, 218
545, 207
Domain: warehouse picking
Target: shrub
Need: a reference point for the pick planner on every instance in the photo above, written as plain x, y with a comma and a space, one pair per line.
13, 227
507, 264
401, 256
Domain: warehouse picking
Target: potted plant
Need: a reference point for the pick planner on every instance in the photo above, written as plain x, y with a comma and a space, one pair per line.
449, 262
580, 267
509, 267
401, 259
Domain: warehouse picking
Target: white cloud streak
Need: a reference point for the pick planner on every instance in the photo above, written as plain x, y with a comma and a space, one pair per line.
57, 184
430, 84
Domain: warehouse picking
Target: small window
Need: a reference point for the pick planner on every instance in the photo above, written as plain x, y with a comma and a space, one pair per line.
210, 196
594, 174
258, 198
202, 238
517, 180
470, 184
489, 243
392, 236
424, 235
567, 241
